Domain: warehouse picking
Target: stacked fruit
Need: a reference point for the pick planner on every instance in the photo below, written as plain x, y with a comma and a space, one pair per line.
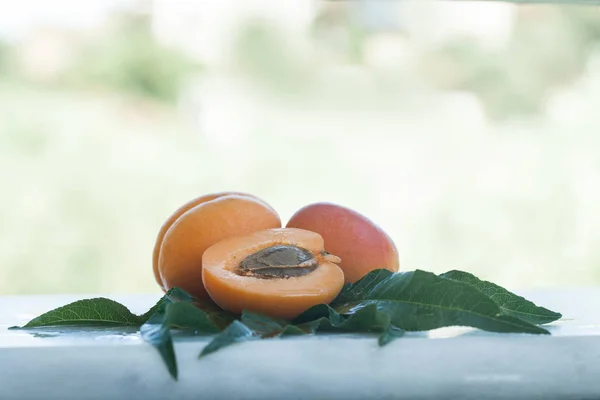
231, 247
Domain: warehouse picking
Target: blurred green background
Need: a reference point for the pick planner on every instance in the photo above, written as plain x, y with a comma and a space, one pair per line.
467, 130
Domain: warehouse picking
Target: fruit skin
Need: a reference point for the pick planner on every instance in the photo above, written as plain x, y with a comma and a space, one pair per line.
359, 242
210, 221
174, 216
281, 297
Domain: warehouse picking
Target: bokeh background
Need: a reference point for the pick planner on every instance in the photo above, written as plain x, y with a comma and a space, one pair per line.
467, 130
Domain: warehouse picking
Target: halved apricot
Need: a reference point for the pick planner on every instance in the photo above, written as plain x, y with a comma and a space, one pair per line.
184, 242
278, 272
362, 245
174, 216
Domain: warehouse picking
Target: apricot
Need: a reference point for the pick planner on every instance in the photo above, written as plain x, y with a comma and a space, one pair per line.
212, 219
362, 245
173, 217
278, 272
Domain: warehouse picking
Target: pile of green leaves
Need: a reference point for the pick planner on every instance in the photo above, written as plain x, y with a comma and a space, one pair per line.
384, 303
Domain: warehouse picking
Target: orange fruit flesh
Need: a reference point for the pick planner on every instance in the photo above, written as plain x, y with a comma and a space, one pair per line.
282, 298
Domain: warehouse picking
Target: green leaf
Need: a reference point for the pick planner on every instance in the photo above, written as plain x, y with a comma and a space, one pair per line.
218, 317
359, 289
157, 333
386, 303
266, 327
315, 313
100, 312
254, 326
89, 312
419, 301
236, 332
510, 303
174, 294
390, 334
307, 328
178, 310
187, 316
365, 319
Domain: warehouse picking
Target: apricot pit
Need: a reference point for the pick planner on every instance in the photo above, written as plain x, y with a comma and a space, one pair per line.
279, 261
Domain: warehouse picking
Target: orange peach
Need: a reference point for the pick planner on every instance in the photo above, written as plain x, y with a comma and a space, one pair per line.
199, 226
359, 242
173, 217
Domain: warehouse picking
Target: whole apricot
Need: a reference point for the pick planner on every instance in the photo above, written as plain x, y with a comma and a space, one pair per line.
359, 242
201, 226
278, 272
173, 217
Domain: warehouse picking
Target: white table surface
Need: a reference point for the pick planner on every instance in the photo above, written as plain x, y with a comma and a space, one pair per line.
59, 363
